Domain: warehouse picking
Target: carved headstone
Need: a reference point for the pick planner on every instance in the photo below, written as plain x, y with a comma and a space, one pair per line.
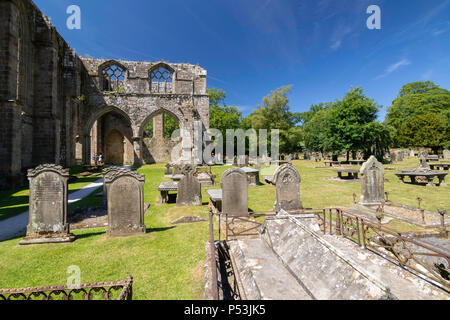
446, 154
234, 183
189, 190
108, 171
287, 182
125, 189
372, 182
47, 222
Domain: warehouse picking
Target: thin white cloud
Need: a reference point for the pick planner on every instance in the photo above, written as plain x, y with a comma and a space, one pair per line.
336, 45
393, 67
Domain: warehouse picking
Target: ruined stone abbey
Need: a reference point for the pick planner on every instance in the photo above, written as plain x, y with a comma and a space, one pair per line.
56, 107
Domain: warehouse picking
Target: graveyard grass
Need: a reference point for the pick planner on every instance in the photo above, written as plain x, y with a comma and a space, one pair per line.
167, 262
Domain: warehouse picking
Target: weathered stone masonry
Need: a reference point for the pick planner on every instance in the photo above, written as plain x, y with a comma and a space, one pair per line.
52, 101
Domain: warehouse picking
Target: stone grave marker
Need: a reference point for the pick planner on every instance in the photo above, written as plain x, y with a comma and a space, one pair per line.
125, 189
47, 222
446, 154
168, 171
287, 182
234, 183
372, 182
189, 189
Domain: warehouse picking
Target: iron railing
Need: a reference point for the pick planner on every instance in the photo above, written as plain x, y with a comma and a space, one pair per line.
118, 290
418, 255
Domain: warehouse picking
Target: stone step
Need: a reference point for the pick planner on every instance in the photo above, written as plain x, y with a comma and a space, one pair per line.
261, 275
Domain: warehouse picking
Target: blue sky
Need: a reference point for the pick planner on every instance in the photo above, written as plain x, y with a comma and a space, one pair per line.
250, 47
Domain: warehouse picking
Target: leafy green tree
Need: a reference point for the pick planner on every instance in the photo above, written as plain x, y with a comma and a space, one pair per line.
274, 113
315, 136
221, 116
346, 126
427, 130
417, 98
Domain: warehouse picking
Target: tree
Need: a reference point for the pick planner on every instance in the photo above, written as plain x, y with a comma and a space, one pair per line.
427, 130
347, 121
315, 136
221, 116
274, 113
417, 98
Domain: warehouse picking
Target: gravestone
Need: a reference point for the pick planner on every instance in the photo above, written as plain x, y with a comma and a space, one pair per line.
423, 163
168, 171
234, 183
446, 154
108, 171
393, 157
47, 222
372, 182
189, 190
287, 182
412, 154
125, 189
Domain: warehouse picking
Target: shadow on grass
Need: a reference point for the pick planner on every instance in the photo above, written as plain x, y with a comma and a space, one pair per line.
88, 235
149, 230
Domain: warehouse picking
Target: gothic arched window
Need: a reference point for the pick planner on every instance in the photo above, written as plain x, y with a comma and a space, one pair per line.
113, 77
161, 79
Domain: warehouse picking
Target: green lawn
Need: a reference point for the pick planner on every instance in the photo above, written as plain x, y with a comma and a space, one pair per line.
167, 262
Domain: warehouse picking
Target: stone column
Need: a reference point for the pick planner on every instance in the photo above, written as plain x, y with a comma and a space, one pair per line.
158, 126
86, 144
137, 146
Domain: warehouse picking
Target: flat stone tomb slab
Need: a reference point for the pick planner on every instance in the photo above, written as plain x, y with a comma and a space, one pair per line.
351, 174
253, 176
215, 199
331, 163
439, 166
164, 189
177, 177
430, 176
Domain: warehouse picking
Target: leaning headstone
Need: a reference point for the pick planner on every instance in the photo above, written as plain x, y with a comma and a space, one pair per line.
372, 182
234, 183
47, 222
446, 154
125, 190
287, 181
189, 190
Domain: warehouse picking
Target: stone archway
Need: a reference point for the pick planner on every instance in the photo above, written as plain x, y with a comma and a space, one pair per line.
158, 148
114, 147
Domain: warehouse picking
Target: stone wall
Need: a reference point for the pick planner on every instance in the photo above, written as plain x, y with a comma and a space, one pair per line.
50, 98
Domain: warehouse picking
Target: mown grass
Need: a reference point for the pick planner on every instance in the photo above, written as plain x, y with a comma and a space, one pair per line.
167, 262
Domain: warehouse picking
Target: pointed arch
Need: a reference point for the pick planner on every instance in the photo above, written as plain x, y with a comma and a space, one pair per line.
113, 75
161, 78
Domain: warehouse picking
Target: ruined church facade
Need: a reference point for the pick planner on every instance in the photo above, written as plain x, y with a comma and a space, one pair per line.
56, 107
